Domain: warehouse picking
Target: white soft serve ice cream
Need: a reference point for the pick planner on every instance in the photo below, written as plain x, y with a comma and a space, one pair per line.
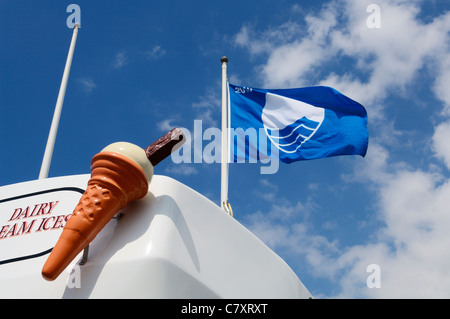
134, 153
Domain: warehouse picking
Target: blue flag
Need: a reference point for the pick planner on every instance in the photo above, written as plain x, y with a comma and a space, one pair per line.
297, 124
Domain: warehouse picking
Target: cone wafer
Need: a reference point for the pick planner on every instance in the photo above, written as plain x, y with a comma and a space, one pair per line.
119, 174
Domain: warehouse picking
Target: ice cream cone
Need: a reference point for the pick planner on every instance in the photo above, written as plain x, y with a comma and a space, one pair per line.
120, 173
115, 180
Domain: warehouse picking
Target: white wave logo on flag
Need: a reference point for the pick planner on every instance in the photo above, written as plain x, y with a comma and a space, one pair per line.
289, 123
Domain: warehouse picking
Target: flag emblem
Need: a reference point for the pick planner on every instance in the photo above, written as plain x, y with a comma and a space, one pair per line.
302, 123
289, 123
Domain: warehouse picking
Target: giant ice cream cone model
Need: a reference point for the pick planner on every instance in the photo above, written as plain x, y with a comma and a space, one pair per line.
120, 173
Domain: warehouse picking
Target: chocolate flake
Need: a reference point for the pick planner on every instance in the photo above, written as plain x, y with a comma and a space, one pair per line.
164, 146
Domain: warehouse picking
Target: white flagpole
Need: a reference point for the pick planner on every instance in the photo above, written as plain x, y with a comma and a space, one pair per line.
59, 103
224, 163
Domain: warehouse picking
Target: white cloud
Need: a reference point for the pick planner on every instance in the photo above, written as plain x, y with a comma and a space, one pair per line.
441, 144
441, 84
391, 56
155, 53
269, 40
411, 248
394, 54
120, 60
87, 84
207, 107
411, 203
166, 124
181, 169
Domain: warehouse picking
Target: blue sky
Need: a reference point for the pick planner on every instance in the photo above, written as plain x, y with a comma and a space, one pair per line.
143, 67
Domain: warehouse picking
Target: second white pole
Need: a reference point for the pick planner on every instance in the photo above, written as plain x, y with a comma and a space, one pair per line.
45, 167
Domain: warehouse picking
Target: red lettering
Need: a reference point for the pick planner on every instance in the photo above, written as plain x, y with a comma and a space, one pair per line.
40, 226
25, 212
34, 209
58, 222
44, 222
41, 210
3, 231
16, 214
11, 231
45, 227
52, 206
25, 228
